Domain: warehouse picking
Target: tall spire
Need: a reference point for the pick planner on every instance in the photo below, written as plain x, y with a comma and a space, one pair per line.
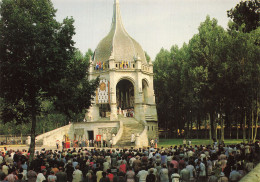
117, 21
118, 44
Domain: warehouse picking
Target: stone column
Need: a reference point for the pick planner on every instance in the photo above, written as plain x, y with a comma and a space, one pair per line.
137, 140
113, 115
139, 111
93, 113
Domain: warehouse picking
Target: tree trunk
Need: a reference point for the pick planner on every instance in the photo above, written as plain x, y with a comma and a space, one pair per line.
237, 129
190, 128
210, 137
199, 121
256, 120
197, 128
244, 129
213, 126
21, 134
32, 145
191, 124
230, 131
222, 128
205, 128
216, 127
248, 127
252, 125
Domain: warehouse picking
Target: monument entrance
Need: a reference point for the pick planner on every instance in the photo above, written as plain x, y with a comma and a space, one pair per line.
125, 95
91, 135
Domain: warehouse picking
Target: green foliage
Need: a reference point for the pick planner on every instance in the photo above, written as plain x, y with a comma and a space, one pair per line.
89, 54
245, 14
148, 58
217, 72
39, 65
74, 92
176, 142
34, 52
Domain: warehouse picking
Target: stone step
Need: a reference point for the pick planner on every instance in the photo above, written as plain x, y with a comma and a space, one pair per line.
149, 118
130, 125
39, 143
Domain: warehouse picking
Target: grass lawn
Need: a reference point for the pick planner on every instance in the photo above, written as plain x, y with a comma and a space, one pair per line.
173, 142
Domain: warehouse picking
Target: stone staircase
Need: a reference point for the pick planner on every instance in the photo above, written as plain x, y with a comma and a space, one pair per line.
38, 143
130, 125
149, 118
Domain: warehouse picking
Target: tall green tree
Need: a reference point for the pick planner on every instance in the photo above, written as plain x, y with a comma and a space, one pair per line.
244, 36
245, 14
243, 70
207, 67
37, 63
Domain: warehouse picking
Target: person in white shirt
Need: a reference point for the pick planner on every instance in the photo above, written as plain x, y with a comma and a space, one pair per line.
175, 176
142, 175
191, 168
41, 176
132, 138
77, 175
202, 171
131, 161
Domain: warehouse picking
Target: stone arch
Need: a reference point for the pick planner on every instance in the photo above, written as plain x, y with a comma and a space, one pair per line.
126, 78
145, 87
125, 93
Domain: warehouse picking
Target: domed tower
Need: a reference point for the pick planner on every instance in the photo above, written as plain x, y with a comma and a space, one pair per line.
126, 79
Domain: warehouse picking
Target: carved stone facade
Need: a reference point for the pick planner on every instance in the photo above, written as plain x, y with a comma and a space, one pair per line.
107, 133
126, 78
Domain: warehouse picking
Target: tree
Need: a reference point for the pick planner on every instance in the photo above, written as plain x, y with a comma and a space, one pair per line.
37, 63
148, 58
245, 28
207, 68
243, 62
245, 14
88, 55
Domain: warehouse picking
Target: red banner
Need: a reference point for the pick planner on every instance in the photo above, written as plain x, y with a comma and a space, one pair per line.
98, 138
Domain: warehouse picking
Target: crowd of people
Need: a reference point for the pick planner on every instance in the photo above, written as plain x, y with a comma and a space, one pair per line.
212, 163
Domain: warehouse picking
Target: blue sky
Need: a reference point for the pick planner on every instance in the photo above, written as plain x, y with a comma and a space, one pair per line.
152, 23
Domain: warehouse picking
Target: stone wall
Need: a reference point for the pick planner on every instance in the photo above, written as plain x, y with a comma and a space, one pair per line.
152, 130
98, 128
253, 176
79, 130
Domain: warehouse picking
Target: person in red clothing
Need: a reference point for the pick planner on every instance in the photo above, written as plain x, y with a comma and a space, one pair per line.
122, 167
181, 163
110, 175
175, 163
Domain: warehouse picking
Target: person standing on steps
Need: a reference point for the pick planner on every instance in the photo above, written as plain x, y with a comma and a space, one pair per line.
152, 142
132, 138
155, 143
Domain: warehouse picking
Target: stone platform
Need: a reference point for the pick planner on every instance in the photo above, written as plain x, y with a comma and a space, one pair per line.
119, 132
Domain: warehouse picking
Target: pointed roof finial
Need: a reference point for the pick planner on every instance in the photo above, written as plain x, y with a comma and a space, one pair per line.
118, 45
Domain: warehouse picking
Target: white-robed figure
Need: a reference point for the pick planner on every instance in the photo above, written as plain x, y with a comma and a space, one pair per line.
132, 138
124, 113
